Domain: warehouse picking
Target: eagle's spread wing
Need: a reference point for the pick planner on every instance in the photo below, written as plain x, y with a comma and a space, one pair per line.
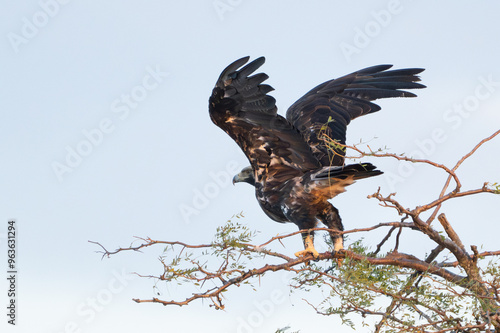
240, 106
329, 107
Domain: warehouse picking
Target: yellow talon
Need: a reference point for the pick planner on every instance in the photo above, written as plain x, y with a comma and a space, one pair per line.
309, 248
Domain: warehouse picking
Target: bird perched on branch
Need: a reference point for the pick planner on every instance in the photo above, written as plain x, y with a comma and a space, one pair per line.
294, 170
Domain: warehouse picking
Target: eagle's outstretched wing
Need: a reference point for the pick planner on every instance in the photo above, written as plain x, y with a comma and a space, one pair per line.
329, 107
240, 106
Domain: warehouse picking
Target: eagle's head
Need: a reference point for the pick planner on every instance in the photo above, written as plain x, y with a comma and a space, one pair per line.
245, 175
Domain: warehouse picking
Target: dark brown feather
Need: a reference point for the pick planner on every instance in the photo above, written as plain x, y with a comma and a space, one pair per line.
333, 104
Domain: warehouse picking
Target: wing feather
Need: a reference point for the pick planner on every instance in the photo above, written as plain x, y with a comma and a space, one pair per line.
240, 106
329, 107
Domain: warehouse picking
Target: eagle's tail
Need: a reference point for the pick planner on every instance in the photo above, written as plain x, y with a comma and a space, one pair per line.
352, 171
329, 182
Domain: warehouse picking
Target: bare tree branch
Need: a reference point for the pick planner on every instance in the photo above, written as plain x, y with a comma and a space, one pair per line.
423, 287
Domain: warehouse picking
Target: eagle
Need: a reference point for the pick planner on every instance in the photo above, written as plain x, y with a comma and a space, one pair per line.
297, 161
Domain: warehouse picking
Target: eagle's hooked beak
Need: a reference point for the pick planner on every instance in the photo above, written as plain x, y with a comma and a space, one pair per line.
236, 179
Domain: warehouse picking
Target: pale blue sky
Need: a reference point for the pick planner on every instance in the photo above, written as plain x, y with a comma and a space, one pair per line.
67, 69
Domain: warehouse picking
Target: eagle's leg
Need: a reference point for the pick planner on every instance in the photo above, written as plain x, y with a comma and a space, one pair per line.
308, 239
338, 242
332, 220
